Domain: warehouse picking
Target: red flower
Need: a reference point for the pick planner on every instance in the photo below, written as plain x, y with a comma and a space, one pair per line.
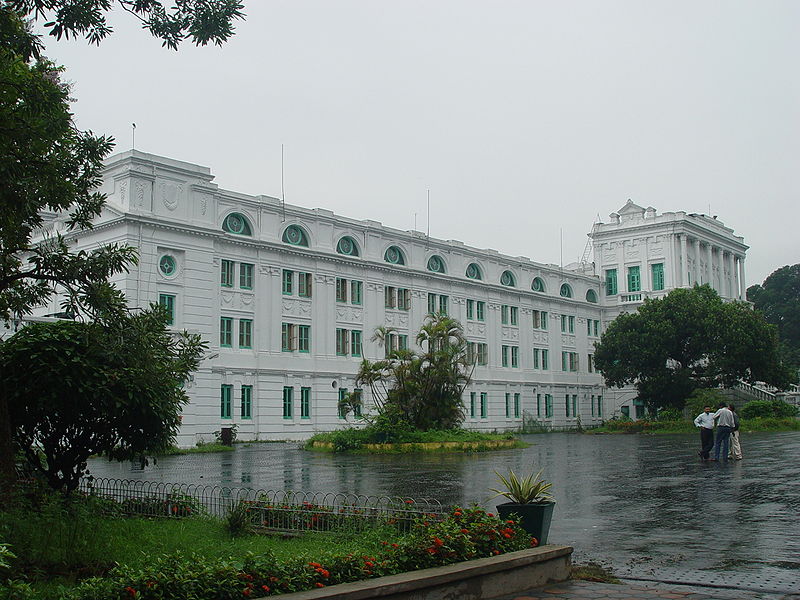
510, 522
247, 591
315, 565
438, 542
465, 531
131, 591
495, 551
395, 546
489, 515
507, 535
409, 502
265, 588
318, 584
534, 542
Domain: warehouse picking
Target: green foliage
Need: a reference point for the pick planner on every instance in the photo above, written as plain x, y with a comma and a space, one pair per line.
350, 439
239, 519
422, 390
670, 414
688, 339
702, 397
778, 299
80, 389
767, 409
528, 490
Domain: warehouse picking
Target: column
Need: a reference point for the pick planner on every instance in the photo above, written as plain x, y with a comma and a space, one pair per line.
647, 283
683, 263
696, 263
730, 278
709, 266
742, 282
669, 268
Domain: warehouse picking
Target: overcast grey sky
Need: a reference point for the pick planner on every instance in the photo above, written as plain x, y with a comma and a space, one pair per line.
522, 118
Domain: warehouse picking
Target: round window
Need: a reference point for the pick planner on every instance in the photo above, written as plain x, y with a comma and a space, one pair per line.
235, 223
435, 264
167, 265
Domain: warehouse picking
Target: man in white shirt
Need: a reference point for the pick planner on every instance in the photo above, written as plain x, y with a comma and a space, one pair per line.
705, 421
725, 424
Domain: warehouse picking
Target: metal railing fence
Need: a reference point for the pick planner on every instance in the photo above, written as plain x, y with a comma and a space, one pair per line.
267, 509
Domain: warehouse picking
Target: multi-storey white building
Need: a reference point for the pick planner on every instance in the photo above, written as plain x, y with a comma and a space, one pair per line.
288, 299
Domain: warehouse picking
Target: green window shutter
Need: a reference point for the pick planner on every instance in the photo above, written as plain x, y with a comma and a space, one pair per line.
247, 402
304, 338
611, 282
545, 359
355, 345
504, 314
225, 332
484, 408
504, 355
470, 309
472, 404
356, 288
443, 304
305, 402
288, 401
286, 337
342, 396
567, 405
226, 273
516, 406
431, 303
658, 276
225, 401
246, 276
515, 357
168, 302
245, 333
538, 405
341, 290
508, 405
634, 279
288, 277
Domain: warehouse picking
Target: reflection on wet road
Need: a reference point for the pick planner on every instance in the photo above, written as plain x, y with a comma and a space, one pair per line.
640, 503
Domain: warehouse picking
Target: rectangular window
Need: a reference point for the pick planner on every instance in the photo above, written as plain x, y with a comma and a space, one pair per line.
402, 342
574, 405
247, 402
592, 403
443, 304
431, 303
538, 405
516, 406
504, 314
571, 324
168, 302
599, 406
504, 355
304, 338
470, 309
472, 396
634, 279
389, 297
246, 276
611, 282
545, 359
342, 397
341, 290
514, 357
287, 337
596, 327
480, 310
225, 332
305, 402
288, 278
304, 285
403, 299
563, 323
544, 319
565, 361
569, 361
514, 315
288, 402
590, 363
357, 400
225, 401
548, 405
245, 333
483, 354
226, 273
342, 341
356, 291
588, 327
567, 405
355, 343
537, 358
470, 353
658, 276
484, 402
508, 405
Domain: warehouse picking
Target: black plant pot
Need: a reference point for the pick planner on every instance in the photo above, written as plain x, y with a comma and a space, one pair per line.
534, 518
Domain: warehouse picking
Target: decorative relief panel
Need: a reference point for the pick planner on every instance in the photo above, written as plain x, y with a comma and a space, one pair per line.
349, 314
476, 328
123, 191
396, 319
540, 337
295, 307
510, 333
226, 297
171, 194
567, 340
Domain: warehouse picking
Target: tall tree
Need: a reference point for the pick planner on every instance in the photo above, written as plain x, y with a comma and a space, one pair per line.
47, 164
778, 298
689, 339
79, 389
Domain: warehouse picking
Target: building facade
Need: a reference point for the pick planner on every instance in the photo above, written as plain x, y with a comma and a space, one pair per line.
289, 298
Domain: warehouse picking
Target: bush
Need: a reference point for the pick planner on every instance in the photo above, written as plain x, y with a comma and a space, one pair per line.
670, 414
767, 408
703, 397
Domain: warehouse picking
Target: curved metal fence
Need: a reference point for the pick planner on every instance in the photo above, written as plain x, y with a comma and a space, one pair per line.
267, 509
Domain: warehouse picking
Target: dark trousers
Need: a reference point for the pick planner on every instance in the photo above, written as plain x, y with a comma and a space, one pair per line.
706, 442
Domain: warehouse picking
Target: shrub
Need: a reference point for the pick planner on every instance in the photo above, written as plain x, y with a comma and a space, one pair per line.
670, 414
703, 397
767, 408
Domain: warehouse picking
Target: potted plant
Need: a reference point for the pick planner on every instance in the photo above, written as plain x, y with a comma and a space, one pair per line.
530, 500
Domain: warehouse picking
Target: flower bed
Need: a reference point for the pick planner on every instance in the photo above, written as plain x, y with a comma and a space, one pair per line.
463, 535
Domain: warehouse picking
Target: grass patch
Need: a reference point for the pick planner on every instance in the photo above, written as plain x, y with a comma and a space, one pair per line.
407, 440
672, 427
593, 572
199, 449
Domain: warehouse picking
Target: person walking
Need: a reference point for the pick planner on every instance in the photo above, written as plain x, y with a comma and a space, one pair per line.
705, 421
736, 447
725, 424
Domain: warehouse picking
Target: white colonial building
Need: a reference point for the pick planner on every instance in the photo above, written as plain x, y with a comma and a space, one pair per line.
288, 299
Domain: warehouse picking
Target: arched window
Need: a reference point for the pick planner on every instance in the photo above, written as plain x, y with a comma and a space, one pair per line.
537, 285
167, 265
474, 272
295, 236
591, 296
394, 255
566, 290
436, 264
347, 246
238, 224
508, 279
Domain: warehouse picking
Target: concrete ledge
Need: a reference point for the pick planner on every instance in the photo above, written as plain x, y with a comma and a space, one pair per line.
429, 446
471, 580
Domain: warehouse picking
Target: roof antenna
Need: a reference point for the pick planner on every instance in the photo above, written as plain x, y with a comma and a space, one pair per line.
429, 214
283, 194
133, 141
